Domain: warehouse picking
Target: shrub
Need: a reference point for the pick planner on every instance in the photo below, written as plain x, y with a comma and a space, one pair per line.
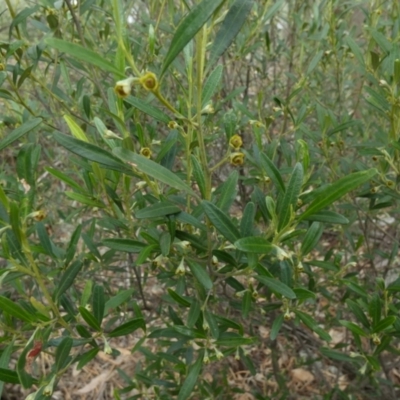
241, 157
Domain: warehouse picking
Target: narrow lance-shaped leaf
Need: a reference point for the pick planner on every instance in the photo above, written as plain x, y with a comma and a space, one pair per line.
337, 190
191, 379
312, 237
14, 309
148, 109
188, 28
153, 169
98, 303
254, 244
84, 54
200, 273
211, 84
221, 221
158, 210
92, 153
273, 172
231, 25
68, 277
19, 132
62, 353
285, 208
277, 286
227, 192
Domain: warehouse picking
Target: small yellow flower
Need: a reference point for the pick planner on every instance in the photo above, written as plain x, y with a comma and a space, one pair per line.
145, 152
149, 81
38, 215
236, 142
172, 125
123, 88
237, 159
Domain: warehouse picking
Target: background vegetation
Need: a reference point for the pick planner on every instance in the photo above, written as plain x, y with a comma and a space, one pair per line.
227, 215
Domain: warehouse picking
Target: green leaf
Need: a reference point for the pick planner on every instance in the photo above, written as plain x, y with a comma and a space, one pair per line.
221, 221
227, 192
89, 319
254, 244
277, 286
312, 324
199, 175
353, 328
86, 200
62, 353
273, 10
75, 129
84, 54
286, 206
358, 312
314, 62
246, 303
375, 308
191, 220
329, 217
234, 341
193, 314
44, 239
15, 310
200, 273
154, 170
337, 190
146, 252
91, 152
124, 245
276, 327
191, 378
231, 26
98, 303
272, 172
211, 84
336, 355
70, 253
304, 294
247, 221
118, 299
148, 109
312, 237
68, 277
157, 210
9, 376
188, 28
384, 324
4, 361
87, 357
356, 50
19, 132
65, 178
178, 298
212, 323
128, 327
344, 126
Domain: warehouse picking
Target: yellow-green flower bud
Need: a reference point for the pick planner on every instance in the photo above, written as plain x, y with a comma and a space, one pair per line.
236, 142
237, 159
145, 152
149, 81
172, 125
